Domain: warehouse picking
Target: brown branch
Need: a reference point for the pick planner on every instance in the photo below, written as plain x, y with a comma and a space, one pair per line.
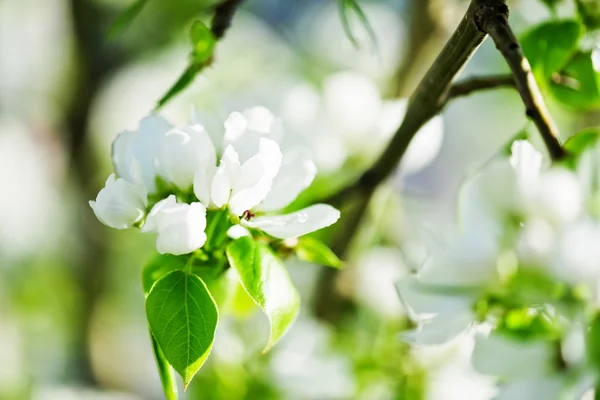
222, 17
492, 19
471, 85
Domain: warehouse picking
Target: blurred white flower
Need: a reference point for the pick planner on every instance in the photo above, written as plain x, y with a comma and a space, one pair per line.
439, 317
351, 118
134, 153
180, 226
120, 204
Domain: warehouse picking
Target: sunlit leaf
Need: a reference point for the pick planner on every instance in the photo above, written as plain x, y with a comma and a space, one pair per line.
265, 279
183, 318
578, 85
582, 141
167, 378
350, 8
126, 18
316, 252
550, 46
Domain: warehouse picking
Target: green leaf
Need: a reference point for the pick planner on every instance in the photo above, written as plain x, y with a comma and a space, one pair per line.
550, 46
266, 281
203, 43
125, 18
183, 82
164, 370
593, 342
582, 141
183, 318
159, 266
578, 84
316, 252
349, 7
589, 11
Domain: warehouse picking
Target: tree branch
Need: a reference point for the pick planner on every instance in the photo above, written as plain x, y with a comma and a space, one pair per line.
223, 16
471, 85
492, 18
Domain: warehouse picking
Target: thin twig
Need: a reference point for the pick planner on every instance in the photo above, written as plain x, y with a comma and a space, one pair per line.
222, 17
492, 18
475, 84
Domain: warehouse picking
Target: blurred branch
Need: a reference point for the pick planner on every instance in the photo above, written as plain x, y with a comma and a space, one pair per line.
492, 18
425, 28
95, 63
223, 16
471, 85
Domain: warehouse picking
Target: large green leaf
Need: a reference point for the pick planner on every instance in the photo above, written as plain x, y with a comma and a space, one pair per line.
593, 343
589, 11
581, 88
266, 281
316, 252
183, 318
550, 46
164, 370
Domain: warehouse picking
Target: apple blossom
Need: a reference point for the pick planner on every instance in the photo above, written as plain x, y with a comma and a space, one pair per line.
180, 227
120, 204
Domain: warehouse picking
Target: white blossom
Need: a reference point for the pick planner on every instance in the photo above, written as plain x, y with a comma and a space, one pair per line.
180, 227
119, 204
255, 178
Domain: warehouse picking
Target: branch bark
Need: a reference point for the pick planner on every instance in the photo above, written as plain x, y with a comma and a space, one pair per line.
492, 18
471, 85
223, 16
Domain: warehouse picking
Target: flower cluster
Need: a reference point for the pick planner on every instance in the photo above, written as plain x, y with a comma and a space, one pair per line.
521, 274
167, 179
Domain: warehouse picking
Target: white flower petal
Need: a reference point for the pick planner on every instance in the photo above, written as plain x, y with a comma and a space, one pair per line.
151, 224
256, 177
119, 204
527, 163
122, 155
296, 174
511, 358
296, 224
259, 119
226, 174
180, 228
146, 144
183, 152
547, 388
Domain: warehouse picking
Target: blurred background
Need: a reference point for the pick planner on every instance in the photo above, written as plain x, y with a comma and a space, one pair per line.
72, 322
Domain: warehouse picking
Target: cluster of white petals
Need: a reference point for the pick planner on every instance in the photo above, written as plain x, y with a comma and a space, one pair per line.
252, 180
517, 219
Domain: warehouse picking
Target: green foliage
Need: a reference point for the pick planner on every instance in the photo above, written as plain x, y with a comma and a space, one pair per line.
203, 44
593, 342
126, 17
560, 67
316, 252
164, 370
582, 141
581, 86
351, 7
551, 3
550, 46
266, 281
589, 11
183, 318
